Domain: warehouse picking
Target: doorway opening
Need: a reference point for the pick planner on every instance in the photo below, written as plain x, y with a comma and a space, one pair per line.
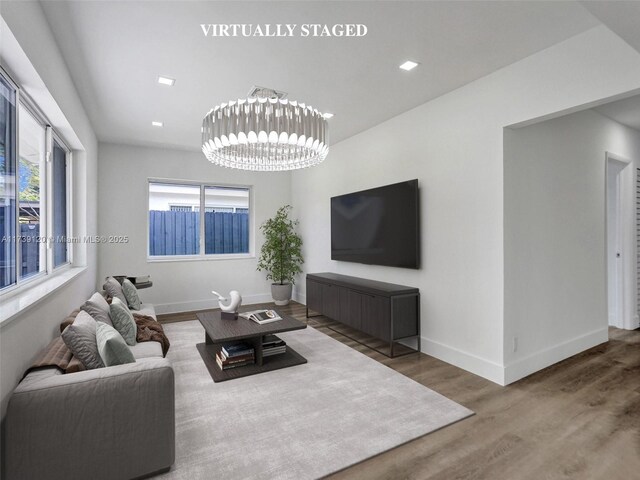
620, 251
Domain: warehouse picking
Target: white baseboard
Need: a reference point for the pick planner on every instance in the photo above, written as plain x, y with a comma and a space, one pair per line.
300, 297
178, 307
472, 363
554, 354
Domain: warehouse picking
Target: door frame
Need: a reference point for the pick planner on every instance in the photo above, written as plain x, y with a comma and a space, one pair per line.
626, 317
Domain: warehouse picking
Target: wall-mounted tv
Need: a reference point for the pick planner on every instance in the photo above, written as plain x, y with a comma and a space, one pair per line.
379, 226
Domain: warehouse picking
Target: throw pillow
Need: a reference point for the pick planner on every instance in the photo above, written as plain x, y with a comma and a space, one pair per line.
123, 321
98, 308
114, 289
80, 338
69, 320
112, 347
131, 294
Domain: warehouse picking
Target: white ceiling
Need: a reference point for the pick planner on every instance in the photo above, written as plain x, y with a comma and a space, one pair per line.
623, 18
116, 50
626, 112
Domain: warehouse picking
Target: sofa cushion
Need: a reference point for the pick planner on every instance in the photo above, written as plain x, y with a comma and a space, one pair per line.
112, 347
123, 321
146, 350
98, 308
131, 294
114, 289
148, 310
80, 337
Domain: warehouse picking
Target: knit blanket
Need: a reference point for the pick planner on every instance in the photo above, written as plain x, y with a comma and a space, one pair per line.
150, 330
58, 355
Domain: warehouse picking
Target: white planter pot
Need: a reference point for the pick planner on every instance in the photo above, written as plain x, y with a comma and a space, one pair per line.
281, 293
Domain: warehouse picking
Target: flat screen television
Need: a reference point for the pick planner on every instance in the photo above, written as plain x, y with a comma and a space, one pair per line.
379, 226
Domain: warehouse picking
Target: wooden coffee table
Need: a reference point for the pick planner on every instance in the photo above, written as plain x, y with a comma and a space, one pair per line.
219, 331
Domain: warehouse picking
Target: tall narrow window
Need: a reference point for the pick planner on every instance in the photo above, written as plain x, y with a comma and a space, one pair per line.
59, 173
34, 192
31, 189
7, 184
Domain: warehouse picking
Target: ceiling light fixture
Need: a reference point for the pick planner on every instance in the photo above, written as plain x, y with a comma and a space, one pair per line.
409, 65
166, 81
265, 132
157, 124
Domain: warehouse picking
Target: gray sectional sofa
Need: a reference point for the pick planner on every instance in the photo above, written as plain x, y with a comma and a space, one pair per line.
109, 423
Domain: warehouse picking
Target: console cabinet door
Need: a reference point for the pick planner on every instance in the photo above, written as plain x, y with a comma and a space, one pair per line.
314, 296
330, 301
354, 309
343, 299
376, 318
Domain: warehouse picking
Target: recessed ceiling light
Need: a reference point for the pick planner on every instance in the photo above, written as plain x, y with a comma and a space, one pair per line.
157, 124
166, 81
409, 65
327, 115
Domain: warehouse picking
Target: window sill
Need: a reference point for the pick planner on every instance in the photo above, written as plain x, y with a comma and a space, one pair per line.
199, 258
16, 304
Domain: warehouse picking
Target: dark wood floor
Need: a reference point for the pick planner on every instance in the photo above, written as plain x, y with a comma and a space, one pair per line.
578, 419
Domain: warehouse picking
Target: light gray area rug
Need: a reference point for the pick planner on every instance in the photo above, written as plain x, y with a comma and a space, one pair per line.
301, 422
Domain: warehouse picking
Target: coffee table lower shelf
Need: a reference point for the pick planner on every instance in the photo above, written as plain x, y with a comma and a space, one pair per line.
208, 353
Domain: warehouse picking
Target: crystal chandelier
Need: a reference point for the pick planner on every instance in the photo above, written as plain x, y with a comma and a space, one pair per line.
265, 132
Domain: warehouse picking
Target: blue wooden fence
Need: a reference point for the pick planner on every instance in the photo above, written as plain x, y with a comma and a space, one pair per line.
30, 249
7, 245
173, 233
177, 233
29, 253
226, 233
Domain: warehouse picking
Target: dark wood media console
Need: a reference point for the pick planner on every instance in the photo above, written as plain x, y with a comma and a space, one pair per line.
382, 310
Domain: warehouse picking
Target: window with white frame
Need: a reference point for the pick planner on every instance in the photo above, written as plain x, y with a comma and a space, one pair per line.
187, 219
32, 212
34, 188
60, 204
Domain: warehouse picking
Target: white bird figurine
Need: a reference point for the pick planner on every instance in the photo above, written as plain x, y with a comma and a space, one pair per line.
232, 307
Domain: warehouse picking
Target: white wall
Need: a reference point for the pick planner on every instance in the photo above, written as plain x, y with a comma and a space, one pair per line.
453, 145
555, 236
39, 67
180, 285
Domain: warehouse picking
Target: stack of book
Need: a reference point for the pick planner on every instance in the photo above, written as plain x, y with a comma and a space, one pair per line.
272, 345
235, 355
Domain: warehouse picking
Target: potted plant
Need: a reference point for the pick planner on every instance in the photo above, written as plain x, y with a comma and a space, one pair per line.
281, 255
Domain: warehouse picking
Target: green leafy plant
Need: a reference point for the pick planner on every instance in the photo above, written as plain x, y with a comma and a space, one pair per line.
30, 175
281, 255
